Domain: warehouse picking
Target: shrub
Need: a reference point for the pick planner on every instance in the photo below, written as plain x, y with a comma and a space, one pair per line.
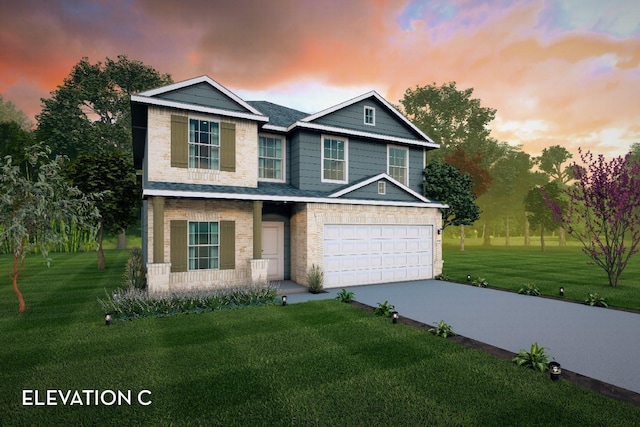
443, 277
135, 272
529, 290
384, 309
596, 300
442, 330
315, 279
133, 303
536, 358
345, 296
480, 282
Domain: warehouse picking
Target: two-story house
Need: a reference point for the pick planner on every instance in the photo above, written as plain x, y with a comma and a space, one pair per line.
237, 191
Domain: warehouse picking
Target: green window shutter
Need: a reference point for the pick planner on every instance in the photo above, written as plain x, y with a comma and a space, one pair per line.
178, 246
179, 141
228, 147
227, 245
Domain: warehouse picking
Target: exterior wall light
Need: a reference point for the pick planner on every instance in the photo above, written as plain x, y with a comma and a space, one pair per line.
284, 300
107, 319
394, 316
555, 371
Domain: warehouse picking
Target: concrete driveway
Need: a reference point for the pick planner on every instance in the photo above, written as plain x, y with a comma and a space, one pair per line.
599, 343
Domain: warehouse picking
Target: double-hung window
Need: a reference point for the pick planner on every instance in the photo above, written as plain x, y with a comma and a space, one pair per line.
204, 245
204, 144
270, 158
369, 116
334, 159
397, 163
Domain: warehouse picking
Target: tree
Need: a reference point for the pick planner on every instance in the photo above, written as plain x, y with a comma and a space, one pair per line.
10, 113
92, 109
32, 207
551, 161
473, 167
15, 142
446, 184
540, 214
107, 173
603, 210
450, 116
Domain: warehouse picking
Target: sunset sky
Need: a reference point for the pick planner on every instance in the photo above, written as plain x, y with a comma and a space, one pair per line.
561, 72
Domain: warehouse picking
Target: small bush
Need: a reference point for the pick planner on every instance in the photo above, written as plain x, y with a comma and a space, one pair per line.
596, 300
134, 303
529, 290
442, 330
135, 272
443, 277
384, 309
315, 279
345, 296
536, 358
480, 282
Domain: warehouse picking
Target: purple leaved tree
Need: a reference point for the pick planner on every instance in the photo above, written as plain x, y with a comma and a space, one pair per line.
603, 210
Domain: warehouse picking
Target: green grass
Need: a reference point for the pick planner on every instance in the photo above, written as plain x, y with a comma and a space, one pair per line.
315, 363
514, 266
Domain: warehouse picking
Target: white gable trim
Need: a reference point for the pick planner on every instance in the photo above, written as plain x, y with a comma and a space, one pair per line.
272, 198
196, 80
343, 131
198, 108
362, 97
377, 178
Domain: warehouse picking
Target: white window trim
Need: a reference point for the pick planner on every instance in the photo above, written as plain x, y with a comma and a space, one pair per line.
190, 246
406, 171
373, 114
189, 143
284, 157
382, 187
346, 159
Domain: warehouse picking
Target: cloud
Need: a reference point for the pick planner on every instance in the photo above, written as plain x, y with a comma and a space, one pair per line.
572, 67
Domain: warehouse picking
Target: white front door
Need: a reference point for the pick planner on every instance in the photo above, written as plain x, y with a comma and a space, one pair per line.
273, 249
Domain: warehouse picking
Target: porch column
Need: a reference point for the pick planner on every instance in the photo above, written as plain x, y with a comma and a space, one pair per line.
257, 229
158, 229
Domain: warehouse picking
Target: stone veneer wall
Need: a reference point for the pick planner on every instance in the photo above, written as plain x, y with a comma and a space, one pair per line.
307, 229
159, 152
159, 275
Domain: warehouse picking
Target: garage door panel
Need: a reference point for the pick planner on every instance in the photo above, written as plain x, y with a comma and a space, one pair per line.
365, 254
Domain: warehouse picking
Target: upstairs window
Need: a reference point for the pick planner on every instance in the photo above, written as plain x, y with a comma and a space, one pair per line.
334, 159
204, 245
204, 144
270, 158
397, 163
369, 116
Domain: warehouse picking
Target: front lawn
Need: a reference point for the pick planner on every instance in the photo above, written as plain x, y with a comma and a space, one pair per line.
315, 363
512, 267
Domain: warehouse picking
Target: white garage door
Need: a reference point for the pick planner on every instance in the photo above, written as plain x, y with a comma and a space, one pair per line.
367, 254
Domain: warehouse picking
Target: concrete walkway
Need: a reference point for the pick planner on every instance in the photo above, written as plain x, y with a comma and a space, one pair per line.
599, 343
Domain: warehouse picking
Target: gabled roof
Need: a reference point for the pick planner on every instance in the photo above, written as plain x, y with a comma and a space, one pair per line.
375, 95
363, 183
158, 97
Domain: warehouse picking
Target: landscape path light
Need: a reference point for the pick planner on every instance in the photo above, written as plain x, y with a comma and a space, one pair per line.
394, 316
284, 300
561, 291
555, 371
107, 319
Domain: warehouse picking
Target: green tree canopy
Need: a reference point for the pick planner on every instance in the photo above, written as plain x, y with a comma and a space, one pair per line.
108, 172
536, 204
449, 116
91, 110
445, 183
10, 113
551, 162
